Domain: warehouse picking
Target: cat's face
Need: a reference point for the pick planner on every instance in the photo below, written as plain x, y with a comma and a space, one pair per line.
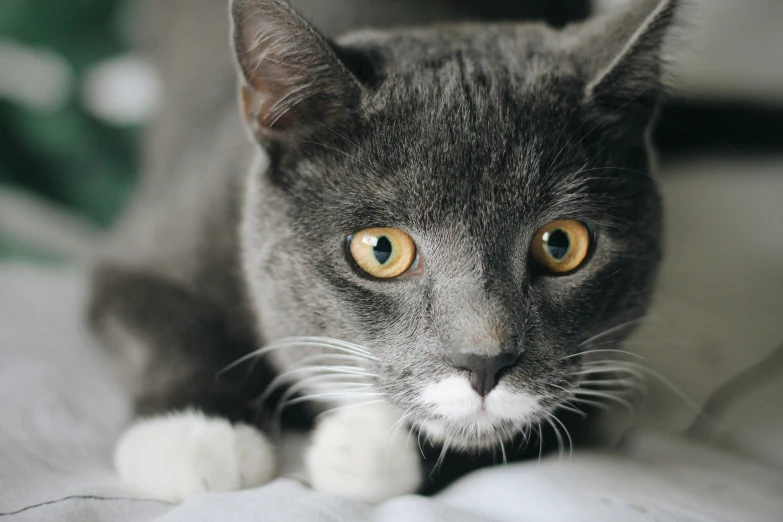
465, 143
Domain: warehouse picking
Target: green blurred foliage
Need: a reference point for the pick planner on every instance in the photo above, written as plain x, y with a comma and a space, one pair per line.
68, 156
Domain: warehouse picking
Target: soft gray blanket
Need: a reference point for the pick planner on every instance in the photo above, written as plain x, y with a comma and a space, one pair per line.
60, 413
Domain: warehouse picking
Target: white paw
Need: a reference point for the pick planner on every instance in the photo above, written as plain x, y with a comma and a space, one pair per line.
174, 457
356, 453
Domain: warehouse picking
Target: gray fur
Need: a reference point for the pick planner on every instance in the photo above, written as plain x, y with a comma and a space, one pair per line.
469, 137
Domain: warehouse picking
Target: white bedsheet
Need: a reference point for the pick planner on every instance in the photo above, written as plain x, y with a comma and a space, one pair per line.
60, 414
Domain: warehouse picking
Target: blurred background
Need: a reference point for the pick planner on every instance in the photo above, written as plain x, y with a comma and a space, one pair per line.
77, 88
72, 99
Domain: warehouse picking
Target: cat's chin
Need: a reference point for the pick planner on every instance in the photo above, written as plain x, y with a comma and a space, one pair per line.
475, 436
462, 419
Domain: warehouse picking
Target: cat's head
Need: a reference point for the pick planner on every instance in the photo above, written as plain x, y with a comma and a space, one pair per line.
468, 205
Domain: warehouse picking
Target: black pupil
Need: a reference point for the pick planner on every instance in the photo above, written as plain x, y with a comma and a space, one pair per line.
382, 250
558, 244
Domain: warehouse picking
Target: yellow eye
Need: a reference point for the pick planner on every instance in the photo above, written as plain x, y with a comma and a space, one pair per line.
383, 252
561, 246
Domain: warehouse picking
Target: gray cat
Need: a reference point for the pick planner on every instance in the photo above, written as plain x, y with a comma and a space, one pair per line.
432, 230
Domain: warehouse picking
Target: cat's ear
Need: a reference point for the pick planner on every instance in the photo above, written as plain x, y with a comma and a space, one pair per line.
624, 52
292, 79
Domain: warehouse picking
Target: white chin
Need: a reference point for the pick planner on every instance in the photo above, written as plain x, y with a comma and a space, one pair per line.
460, 416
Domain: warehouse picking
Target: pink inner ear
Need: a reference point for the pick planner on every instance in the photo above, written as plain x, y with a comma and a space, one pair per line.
259, 110
275, 88
293, 78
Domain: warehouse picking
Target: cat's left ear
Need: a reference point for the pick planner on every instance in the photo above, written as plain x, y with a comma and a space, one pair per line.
624, 53
292, 79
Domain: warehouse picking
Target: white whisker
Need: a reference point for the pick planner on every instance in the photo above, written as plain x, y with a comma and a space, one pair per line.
329, 395
559, 437
346, 406
646, 370
503, 451
319, 371
568, 435
605, 395
594, 404
418, 441
401, 420
623, 383
410, 433
614, 329
540, 441
573, 409
312, 342
590, 370
442, 456
569, 392
620, 352
317, 380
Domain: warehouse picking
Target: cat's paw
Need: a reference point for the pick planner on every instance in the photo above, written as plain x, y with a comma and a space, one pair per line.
359, 452
177, 456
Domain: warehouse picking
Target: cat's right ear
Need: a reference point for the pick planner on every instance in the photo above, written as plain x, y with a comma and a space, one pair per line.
292, 80
623, 55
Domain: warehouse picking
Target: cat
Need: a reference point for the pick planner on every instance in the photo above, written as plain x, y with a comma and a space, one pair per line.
431, 229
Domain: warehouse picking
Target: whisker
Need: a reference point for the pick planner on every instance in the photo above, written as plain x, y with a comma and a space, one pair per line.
307, 361
410, 433
318, 396
332, 371
401, 420
572, 409
540, 441
441, 457
314, 342
569, 392
285, 399
628, 383
592, 393
503, 451
614, 329
589, 370
343, 370
568, 435
527, 432
346, 406
418, 441
559, 437
646, 370
323, 342
621, 352
594, 404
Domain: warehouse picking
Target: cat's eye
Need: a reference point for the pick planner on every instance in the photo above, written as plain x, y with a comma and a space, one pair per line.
561, 246
383, 252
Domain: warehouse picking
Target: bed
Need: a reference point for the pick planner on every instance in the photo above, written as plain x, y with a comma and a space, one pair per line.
61, 411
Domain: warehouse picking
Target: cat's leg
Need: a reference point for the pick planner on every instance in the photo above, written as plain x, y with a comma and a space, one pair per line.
365, 453
195, 432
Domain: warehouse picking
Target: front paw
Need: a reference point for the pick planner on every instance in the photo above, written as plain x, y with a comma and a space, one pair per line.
177, 456
360, 453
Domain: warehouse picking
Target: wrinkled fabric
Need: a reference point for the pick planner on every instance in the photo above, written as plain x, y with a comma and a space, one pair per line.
61, 412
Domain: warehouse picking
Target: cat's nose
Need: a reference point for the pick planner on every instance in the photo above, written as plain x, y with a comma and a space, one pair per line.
484, 370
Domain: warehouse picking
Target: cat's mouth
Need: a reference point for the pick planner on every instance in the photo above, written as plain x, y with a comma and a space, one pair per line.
454, 414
